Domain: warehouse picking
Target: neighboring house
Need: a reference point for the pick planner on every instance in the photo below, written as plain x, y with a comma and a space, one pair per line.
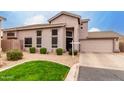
59, 33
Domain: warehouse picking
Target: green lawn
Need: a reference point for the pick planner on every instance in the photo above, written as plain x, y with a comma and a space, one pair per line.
35, 71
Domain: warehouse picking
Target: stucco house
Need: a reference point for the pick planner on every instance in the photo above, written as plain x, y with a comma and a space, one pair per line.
59, 33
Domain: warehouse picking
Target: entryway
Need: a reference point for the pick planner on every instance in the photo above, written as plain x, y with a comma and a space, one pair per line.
69, 38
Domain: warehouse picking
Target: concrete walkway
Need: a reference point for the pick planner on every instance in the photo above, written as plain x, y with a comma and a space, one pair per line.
101, 67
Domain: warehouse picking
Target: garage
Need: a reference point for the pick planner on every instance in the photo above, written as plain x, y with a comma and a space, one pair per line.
97, 45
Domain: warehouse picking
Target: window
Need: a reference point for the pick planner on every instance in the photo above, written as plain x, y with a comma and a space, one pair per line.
54, 32
54, 42
39, 41
54, 38
39, 38
28, 42
39, 33
69, 34
11, 34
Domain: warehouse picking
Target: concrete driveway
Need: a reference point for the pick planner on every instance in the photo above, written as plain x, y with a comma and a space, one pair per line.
101, 67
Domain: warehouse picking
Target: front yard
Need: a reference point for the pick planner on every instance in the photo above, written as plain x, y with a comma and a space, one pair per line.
64, 59
35, 71
55, 67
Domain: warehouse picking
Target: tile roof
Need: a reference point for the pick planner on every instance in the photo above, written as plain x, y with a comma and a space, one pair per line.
35, 26
64, 13
103, 34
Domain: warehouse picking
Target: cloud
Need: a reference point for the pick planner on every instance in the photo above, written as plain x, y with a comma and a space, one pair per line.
37, 19
94, 30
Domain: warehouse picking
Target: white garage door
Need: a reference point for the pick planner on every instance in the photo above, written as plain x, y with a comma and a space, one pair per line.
101, 45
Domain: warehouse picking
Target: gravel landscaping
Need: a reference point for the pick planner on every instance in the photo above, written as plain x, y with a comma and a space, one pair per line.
64, 59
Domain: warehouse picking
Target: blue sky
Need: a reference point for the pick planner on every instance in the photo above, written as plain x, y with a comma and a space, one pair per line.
99, 20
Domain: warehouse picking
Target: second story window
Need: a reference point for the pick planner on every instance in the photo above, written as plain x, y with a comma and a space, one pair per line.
81, 27
54, 38
39, 33
11, 34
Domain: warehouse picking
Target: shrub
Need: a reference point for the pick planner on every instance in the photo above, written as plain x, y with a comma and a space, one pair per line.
59, 51
75, 52
32, 50
43, 51
14, 54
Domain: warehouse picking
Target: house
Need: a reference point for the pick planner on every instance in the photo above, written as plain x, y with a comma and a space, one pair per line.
59, 33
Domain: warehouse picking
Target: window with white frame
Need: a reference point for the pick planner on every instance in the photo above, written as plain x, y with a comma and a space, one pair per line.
39, 38
54, 38
28, 42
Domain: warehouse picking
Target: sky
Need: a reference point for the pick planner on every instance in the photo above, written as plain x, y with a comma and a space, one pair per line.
99, 20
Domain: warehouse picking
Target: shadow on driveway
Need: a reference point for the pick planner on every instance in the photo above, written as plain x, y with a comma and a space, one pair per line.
99, 74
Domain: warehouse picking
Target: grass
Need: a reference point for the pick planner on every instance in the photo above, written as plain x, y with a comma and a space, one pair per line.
35, 71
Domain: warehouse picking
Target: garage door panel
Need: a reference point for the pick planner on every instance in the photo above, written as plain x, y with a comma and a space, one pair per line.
96, 46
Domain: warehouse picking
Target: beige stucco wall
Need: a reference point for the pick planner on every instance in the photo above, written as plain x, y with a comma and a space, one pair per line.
46, 38
101, 45
70, 22
116, 45
83, 33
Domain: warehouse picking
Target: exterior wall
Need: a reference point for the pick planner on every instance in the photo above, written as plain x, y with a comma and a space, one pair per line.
70, 22
116, 45
46, 38
97, 45
27, 34
84, 31
62, 38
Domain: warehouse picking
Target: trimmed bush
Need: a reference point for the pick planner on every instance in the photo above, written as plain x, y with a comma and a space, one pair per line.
43, 51
59, 51
32, 49
70, 52
14, 55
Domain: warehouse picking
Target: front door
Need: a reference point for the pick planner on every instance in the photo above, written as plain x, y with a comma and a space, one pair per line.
69, 38
68, 43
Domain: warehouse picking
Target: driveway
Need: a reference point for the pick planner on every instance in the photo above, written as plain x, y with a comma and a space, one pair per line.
100, 67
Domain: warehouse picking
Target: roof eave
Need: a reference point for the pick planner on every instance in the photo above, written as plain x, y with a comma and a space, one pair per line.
20, 29
64, 13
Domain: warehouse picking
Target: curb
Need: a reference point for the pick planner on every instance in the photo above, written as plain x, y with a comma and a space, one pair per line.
73, 73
